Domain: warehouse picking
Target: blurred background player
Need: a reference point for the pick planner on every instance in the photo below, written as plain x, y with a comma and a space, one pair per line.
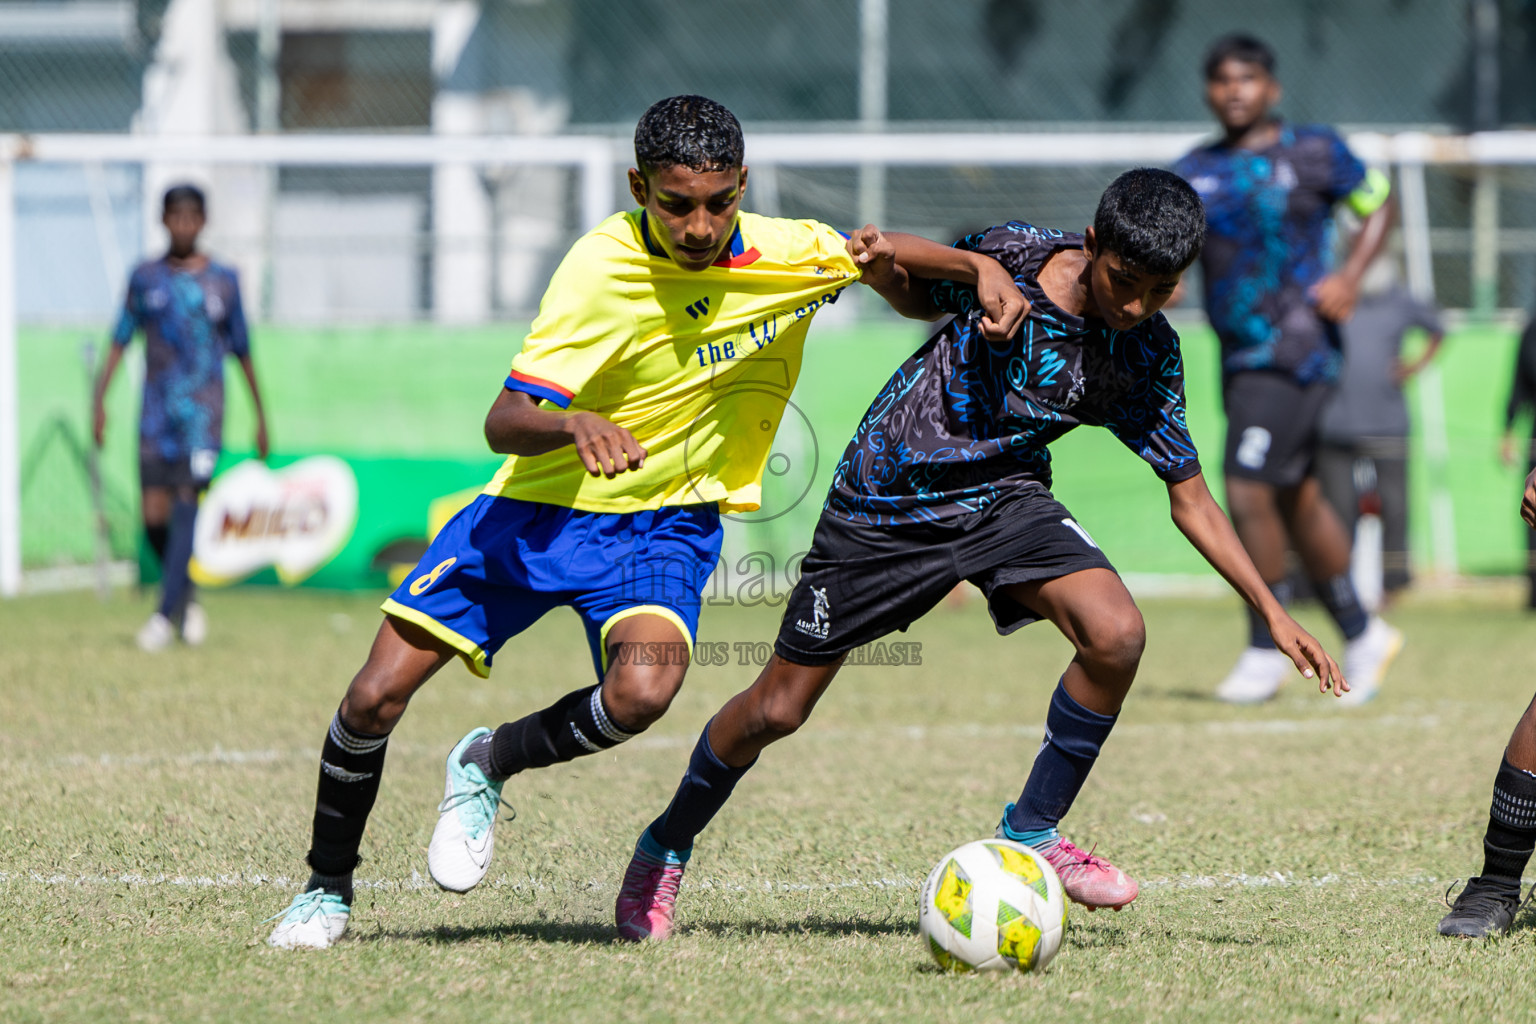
947, 478
1522, 400
188, 307
1269, 189
664, 352
1363, 457
1487, 906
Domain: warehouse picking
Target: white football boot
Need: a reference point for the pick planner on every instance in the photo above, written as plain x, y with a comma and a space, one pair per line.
194, 625
1366, 659
465, 835
314, 920
156, 634
1256, 677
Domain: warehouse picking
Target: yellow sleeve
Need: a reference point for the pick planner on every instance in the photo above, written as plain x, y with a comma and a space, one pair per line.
831, 248
585, 322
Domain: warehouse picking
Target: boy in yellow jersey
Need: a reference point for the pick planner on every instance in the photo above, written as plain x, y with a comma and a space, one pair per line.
664, 352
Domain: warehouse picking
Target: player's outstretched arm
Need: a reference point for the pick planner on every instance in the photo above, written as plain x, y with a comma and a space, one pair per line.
914, 259
1528, 503
517, 426
1202, 521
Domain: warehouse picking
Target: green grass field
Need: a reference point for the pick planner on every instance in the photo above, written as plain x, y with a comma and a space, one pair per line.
156, 809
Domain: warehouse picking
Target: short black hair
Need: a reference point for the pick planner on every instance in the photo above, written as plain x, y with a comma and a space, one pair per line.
1152, 219
1239, 46
691, 131
184, 194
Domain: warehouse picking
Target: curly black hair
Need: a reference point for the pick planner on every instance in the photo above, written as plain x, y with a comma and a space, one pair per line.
1239, 46
184, 194
1152, 219
689, 131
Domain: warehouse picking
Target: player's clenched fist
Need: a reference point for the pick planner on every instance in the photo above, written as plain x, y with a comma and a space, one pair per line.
605, 448
874, 254
1003, 305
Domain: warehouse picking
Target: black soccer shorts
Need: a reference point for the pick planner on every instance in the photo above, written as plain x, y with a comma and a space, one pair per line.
859, 583
1272, 426
194, 470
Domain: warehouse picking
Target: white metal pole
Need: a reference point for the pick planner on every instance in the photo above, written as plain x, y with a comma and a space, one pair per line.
874, 102
597, 183
10, 416
1413, 203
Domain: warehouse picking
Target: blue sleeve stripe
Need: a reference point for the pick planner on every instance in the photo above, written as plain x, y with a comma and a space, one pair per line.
563, 400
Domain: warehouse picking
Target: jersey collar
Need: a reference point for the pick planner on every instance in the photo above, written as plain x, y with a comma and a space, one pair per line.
736, 254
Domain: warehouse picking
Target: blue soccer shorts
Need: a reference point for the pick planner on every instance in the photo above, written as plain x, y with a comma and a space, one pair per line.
501, 563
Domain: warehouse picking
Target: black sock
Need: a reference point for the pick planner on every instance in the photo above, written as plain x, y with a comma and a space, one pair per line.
350, 765
158, 536
705, 788
1511, 832
1339, 597
174, 583
479, 753
1258, 632
1073, 736
574, 726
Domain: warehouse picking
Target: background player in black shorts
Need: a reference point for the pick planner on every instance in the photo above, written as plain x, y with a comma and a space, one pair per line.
189, 308
1269, 189
1488, 904
947, 479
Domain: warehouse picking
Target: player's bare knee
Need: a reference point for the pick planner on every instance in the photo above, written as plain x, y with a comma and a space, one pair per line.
373, 704
781, 715
637, 696
1116, 643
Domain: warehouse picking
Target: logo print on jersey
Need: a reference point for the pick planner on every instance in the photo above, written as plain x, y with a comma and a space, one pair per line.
1253, 448
699, 308
821, 615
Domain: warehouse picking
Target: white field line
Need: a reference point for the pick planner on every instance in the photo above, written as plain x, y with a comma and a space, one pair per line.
903, 883
916, 733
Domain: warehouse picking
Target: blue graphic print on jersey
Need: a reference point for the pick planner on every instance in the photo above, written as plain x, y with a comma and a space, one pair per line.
190, 321
1269, 239
965, 420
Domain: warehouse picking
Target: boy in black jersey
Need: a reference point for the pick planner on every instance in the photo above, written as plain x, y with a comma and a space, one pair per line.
947, 479
1487, 906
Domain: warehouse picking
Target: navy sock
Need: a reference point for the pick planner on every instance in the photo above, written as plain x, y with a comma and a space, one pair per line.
574, 726
1258, 632
175, 585
350, 765
1073, 736
1511, 834
1339, 597
158, 536
705, 788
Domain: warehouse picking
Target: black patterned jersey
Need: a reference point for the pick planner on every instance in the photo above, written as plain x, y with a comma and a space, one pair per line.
966, 420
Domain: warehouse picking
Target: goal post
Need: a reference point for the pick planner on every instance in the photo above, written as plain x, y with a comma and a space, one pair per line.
930, 182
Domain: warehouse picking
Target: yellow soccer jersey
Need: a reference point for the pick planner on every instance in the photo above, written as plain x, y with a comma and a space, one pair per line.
697, 365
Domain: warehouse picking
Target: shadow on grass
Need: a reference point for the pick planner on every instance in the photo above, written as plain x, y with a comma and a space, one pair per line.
550, 932
594, 933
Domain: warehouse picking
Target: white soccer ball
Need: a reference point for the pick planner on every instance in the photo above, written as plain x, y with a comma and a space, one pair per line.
992, 905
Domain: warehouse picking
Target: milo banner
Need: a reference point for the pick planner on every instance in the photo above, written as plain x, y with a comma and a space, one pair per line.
326, 520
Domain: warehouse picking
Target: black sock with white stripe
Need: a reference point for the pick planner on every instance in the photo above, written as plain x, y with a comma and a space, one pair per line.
350, 765
1511, 835
574, 726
